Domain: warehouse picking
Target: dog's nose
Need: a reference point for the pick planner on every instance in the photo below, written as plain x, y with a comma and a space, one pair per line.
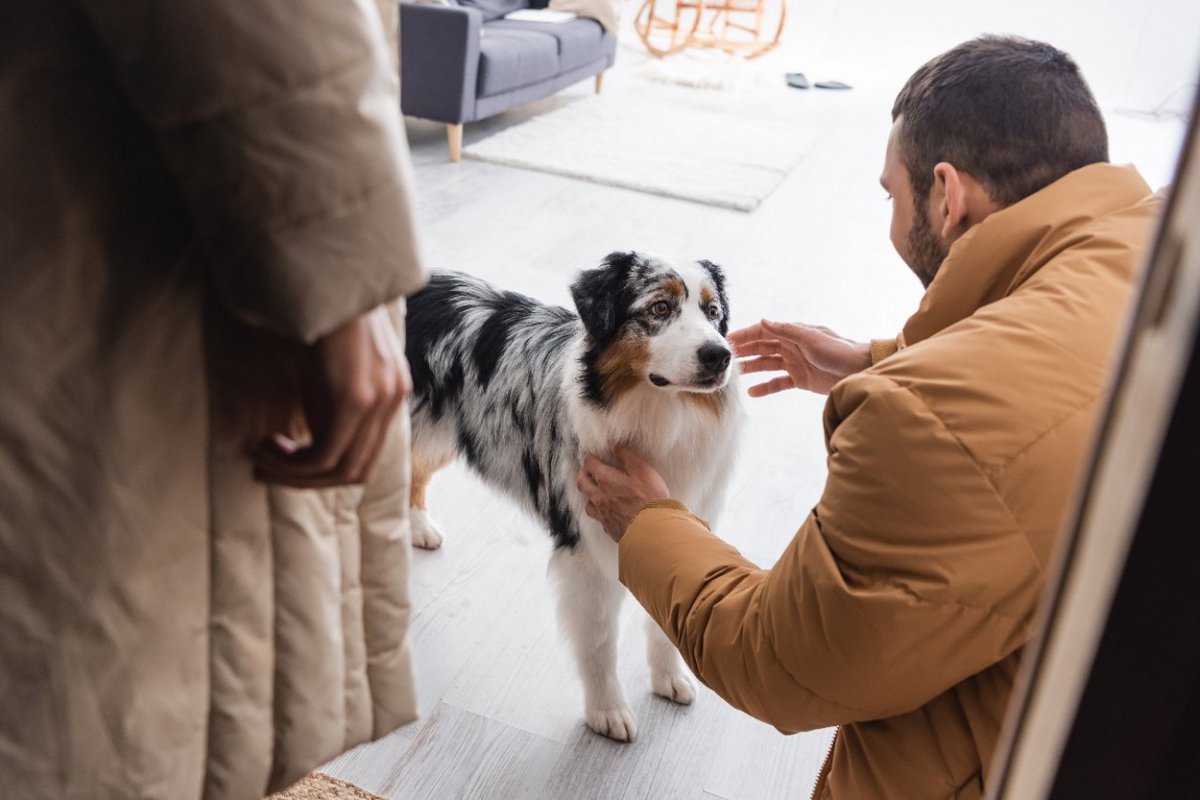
713, 356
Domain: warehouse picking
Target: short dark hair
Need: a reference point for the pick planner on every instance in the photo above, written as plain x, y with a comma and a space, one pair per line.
1014, 114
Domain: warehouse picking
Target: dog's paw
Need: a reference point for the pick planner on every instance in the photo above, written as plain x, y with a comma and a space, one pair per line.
678, 687
426, 533
615, 723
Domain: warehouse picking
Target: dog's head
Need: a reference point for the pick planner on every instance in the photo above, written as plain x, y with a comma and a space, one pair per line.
653, 324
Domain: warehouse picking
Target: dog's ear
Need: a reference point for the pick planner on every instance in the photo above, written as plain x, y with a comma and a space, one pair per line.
718, 281
599, 294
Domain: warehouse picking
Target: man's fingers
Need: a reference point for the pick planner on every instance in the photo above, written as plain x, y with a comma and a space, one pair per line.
598, 469
787, 330
772, 386
634, 464
584, 482
628, 458
747, 334
763, 364
758, 347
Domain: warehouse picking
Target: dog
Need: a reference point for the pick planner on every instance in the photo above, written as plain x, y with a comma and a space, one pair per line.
522, 390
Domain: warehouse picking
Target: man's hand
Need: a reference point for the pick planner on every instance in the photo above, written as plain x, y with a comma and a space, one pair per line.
813, 358
351, 393
616, 493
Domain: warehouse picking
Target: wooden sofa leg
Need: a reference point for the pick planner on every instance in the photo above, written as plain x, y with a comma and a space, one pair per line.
454, 135
599, 82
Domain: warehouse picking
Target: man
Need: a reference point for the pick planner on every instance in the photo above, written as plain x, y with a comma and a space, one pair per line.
189, 183
900, 609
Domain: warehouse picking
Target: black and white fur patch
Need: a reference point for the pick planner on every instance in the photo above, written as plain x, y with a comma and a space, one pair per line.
521, 389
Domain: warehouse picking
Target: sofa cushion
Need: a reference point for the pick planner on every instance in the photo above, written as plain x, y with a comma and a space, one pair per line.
511, 59
494, 9
580, 41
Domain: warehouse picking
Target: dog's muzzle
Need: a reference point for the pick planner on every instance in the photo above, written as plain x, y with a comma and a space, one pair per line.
714, 358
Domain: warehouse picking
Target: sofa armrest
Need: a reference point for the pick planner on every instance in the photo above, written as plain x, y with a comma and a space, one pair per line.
439, 61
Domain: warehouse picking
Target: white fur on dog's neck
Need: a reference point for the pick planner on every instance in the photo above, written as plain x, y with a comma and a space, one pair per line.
690, 446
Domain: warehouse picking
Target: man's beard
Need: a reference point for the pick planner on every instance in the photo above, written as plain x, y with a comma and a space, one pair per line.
926, 251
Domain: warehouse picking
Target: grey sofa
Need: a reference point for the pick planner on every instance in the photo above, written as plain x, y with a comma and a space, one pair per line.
464, 62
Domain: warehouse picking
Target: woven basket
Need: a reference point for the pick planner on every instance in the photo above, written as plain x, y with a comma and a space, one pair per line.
319, 786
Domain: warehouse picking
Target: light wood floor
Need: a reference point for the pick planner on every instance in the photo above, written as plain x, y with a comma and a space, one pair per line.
500, 703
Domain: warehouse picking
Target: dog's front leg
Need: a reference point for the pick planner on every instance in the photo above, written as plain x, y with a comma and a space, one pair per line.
669, 676
589, 606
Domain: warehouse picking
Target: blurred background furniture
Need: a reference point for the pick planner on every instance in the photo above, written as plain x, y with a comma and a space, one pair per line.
744, 27
464, 62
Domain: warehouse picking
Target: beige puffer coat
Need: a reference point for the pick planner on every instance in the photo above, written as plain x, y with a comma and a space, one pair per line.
169, 628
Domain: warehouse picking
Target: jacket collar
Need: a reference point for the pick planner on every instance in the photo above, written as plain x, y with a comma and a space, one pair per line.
996, 256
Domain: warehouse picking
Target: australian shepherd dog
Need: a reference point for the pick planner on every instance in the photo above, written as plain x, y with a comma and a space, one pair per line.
522, 390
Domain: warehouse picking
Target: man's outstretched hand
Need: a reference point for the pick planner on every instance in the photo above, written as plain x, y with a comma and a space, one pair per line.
811, 357
352, 389
616, 492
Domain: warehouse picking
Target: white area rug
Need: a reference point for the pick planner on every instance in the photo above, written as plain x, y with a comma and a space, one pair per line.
729, 151
714, 69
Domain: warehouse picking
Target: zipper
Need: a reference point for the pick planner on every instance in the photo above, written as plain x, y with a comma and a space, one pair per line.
823, 774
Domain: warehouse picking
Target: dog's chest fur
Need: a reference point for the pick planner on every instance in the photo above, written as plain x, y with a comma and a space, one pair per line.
689, 444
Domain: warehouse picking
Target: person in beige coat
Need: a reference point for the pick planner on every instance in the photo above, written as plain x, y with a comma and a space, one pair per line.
901, 608
187, 184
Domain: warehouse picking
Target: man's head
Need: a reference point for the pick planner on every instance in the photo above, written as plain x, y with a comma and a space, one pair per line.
977, 129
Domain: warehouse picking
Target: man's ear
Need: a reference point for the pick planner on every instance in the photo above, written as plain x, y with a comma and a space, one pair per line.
948, 199
599, 294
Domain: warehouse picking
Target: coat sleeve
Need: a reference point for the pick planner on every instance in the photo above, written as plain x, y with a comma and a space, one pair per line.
882, 348
280, 125
908, 577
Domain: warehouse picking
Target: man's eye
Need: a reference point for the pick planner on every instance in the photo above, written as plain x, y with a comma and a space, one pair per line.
713, 311
661, 308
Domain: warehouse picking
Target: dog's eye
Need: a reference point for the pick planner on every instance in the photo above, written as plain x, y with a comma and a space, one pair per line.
713, 310
661, 308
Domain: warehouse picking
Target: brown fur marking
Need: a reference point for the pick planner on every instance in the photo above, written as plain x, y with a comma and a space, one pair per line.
674, 286
706, 297
712, 402
622, 366
422, 472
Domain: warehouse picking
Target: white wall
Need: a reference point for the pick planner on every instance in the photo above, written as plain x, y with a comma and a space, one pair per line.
1134, 53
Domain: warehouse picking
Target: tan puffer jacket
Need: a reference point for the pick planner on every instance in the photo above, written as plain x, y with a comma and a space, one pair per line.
900, 609
168, 628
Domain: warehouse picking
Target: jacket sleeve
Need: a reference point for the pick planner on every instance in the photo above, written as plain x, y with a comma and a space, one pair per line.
908, 577
882, 348
280, 124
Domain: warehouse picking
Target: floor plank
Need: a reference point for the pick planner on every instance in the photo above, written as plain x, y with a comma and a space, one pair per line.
463, 755
371, 765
